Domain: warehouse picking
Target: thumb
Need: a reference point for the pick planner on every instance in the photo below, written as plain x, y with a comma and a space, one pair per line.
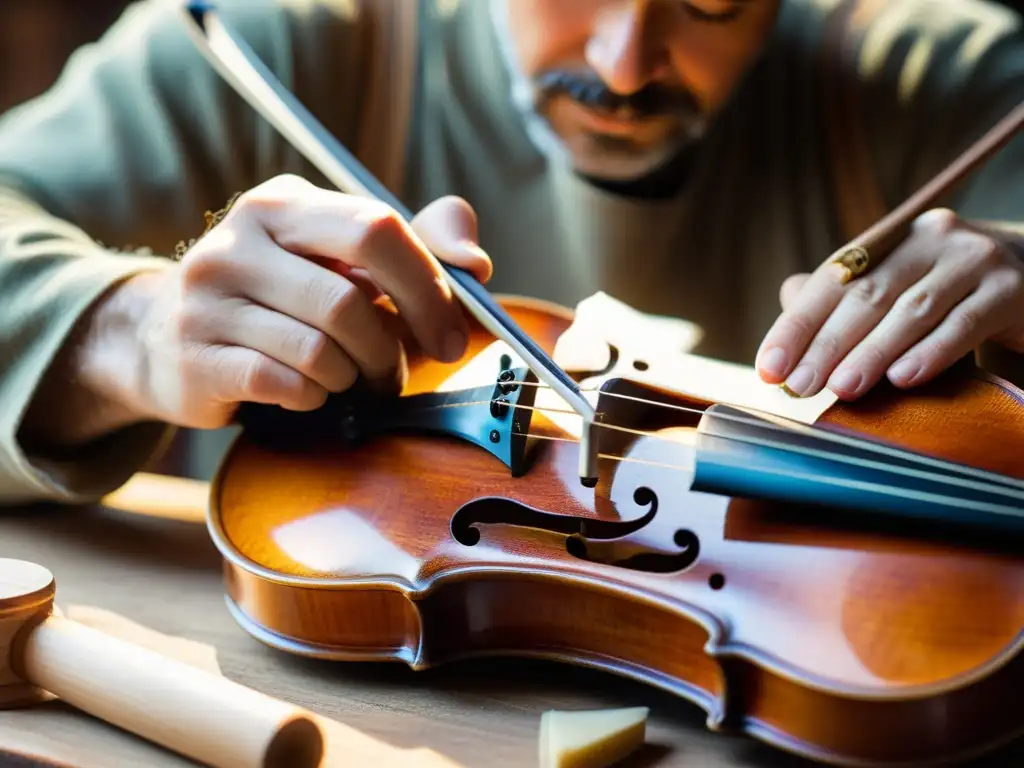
791, 288
448, 227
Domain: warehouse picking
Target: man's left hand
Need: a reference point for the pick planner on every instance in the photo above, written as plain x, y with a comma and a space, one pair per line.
946, 289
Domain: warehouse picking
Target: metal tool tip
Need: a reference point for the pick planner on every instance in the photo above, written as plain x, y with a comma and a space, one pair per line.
197, 9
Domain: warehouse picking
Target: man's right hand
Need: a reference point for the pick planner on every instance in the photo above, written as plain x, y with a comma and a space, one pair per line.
275, 304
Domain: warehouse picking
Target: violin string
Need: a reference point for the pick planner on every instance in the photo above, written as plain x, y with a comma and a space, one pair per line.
923, 496
610, 456
1008, 488
901, 492
543, 409
985, 481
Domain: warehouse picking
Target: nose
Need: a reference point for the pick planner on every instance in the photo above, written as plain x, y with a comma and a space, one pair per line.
624, 49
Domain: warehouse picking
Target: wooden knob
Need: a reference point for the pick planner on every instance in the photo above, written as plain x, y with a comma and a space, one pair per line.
197, 714
26, 597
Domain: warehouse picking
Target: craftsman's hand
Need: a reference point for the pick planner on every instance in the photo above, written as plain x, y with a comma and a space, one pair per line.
275, 304
947, 288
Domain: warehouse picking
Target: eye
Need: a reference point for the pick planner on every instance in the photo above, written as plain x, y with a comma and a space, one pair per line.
720, 17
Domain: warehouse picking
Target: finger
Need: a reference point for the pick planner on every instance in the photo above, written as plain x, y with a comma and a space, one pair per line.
865, 303
358, 277
791, 288
301, 347
918, 311
448, 227
914, 314
966, 326
368, 235
323, 300
786, 341
243, 375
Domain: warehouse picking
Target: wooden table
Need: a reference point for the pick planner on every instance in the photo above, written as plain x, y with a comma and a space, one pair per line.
166, 575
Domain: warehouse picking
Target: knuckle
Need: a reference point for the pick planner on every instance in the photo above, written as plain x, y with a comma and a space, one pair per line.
796, 325
317, 397
307, 396
204, 266
967, 321
287, 182
214, 259
917, 304
344, 377
937, 221
194, 271
257, 377
382, 228
986, 252
869, 291
826, 346
270, 196
192, 320
312, 349
1002, 289
790, 286
340, 304
1010, 283
872, 358
460, 207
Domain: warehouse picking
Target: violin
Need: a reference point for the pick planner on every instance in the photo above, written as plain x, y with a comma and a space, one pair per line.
836, 579
458, 528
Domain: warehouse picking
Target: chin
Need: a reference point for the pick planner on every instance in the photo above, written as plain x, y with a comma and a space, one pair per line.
616, 160
618, 167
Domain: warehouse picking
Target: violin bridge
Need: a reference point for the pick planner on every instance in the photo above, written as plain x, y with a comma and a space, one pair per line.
588, 454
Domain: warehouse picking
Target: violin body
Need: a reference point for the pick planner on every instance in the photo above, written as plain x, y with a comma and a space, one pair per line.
838, 639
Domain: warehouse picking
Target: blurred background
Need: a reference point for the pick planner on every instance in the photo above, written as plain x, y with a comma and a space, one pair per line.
36, 36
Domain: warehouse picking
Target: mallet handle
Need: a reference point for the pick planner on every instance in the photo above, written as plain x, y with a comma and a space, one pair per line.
188, 710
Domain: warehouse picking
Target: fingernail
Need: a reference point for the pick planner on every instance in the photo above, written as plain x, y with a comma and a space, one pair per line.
801, 380
846, 381
773, 362
904, 371
454, 345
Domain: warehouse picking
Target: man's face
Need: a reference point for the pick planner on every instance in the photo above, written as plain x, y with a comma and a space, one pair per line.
624, 83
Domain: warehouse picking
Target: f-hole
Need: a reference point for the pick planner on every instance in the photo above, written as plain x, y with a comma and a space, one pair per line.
596, 541
623, 553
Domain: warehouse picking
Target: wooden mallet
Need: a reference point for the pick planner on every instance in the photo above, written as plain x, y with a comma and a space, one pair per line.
202, 716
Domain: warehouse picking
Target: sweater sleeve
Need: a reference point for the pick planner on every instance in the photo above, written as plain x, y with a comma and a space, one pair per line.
104, 174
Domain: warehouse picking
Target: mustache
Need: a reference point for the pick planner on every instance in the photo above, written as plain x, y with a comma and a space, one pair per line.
654, 100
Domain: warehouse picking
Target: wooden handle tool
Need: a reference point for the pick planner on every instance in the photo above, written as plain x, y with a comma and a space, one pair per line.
197, 714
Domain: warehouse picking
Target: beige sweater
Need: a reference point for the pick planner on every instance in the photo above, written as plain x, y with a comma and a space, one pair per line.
140, 137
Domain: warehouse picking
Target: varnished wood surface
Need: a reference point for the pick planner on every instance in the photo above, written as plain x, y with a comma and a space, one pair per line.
836, 641
166, 575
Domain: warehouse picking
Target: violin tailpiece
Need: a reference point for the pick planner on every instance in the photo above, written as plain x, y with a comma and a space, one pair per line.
495, 417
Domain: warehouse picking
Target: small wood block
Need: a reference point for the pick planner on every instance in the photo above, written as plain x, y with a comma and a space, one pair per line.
26, 595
